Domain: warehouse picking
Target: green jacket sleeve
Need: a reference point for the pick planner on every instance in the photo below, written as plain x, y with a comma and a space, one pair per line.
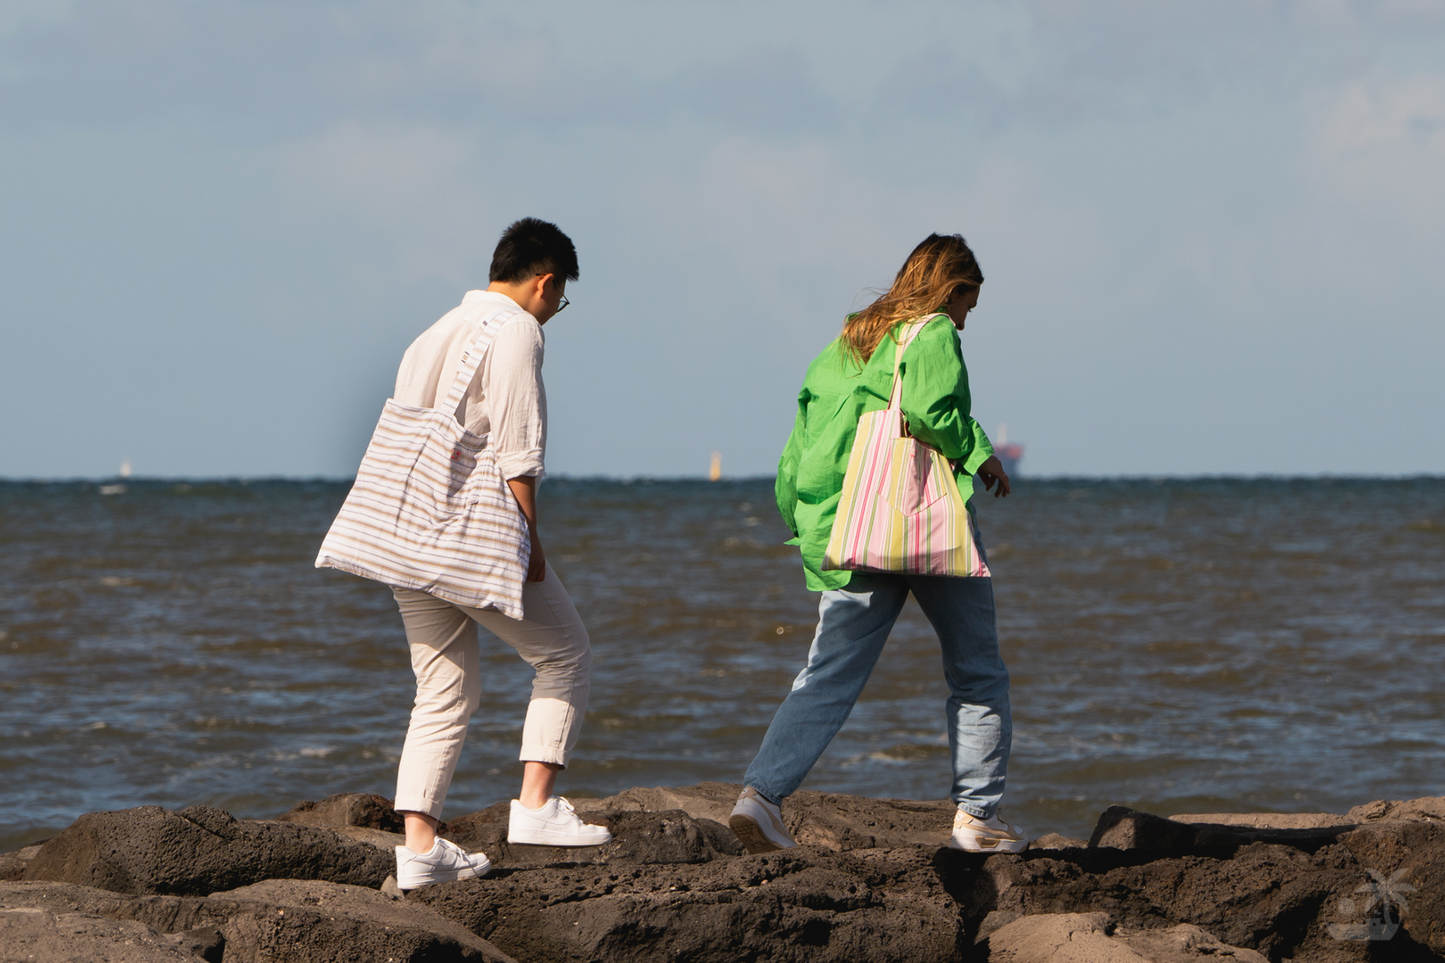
786, 488
936, 401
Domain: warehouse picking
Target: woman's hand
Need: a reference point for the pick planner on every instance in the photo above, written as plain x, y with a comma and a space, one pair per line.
992, 471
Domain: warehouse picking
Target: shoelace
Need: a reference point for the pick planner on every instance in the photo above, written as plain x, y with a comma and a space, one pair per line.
562, 803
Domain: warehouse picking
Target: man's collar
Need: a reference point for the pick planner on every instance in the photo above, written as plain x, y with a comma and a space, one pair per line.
497, 296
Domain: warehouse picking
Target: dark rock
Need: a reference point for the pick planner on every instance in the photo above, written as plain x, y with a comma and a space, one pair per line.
707, 800
12, 865
873, 882
1401, 862
830, 820
199, 850
1307, 831
295, 921
1122, 828
1275, 899
1428, 809
1056, 841
37, 935
306, 921
207, 942
637, 837
802, 905
364, 809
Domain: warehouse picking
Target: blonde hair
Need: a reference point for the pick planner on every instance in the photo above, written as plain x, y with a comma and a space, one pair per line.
938, 266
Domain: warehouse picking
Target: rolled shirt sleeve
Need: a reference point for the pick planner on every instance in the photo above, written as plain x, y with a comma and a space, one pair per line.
516, 399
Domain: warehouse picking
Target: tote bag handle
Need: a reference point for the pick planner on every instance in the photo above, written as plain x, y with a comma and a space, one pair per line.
472, 357
895, 401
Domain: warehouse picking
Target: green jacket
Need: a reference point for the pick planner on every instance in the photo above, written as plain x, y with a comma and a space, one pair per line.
835, 394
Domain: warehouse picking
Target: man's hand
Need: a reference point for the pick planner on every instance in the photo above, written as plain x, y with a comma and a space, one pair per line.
992, 471
524, 490
537, 562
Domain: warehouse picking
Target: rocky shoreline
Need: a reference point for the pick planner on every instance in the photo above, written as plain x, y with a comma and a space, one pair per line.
872, 881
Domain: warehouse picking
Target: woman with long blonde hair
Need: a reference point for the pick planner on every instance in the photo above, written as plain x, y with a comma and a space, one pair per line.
938, 285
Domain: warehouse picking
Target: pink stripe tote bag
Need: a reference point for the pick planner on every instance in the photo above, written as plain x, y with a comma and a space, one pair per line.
901, 510
430, 510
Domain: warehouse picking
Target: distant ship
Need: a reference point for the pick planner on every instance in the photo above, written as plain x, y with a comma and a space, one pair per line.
1009, 455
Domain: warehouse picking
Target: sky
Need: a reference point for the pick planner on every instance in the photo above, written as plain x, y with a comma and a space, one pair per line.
1213, 233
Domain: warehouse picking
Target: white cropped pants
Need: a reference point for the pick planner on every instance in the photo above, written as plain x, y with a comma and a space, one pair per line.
446, 660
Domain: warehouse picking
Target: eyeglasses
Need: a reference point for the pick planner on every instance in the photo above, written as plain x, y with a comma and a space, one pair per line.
562, 305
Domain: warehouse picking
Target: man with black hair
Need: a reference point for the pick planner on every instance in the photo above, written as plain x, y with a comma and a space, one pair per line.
530, 269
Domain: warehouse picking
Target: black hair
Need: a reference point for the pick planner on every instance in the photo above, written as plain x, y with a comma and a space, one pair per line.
530, 247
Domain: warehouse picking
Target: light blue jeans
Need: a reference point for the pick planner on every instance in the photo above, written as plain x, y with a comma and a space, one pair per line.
853, 625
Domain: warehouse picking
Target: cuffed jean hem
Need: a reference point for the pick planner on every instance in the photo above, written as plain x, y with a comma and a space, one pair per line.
975, 812
767, 794
418, 804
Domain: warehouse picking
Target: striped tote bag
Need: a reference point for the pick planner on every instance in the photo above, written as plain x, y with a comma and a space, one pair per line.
430, 509
901, 509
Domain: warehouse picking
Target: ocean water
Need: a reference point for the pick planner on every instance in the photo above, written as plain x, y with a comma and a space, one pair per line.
1175, 645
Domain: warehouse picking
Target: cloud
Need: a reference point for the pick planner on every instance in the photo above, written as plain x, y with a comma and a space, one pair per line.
419, 186
1165, 196
265, 69
1380, 145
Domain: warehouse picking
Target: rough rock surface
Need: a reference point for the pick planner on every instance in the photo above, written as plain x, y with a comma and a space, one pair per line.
37, 935
199, 850
1091, 938
873, 882
12, 865
804, 905
829, 820
295, 921
363, 809
1274, 891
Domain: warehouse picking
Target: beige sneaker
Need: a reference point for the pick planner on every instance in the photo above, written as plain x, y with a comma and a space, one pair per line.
992, 835
759, 824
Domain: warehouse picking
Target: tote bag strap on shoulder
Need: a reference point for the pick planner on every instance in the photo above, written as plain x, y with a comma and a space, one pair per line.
905, 338
472, 356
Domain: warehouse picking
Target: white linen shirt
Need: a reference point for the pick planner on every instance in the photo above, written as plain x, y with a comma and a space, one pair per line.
506, 399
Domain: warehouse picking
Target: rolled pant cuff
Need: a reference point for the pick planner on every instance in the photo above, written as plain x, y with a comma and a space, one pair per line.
767, 794
417, 804
547, 754
975, 811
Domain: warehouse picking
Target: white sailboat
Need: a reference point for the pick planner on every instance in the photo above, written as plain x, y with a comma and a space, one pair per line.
118, 488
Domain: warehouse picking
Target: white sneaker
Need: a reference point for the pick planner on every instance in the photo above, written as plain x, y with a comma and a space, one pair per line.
991, 835
759, 823
446, 862
555, 824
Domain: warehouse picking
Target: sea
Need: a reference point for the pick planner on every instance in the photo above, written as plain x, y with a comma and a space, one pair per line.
1175, 644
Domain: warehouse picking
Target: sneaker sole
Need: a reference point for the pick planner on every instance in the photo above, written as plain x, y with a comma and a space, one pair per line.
754, 840
568, 842
988, 844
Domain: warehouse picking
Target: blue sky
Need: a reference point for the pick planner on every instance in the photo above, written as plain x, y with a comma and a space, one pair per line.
1212, 232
